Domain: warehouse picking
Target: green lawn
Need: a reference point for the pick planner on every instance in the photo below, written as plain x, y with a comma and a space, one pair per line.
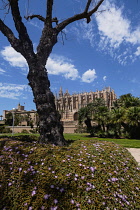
128, 143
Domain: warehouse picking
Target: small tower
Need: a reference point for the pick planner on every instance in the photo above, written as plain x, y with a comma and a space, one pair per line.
67, 93
60, 92
20, 108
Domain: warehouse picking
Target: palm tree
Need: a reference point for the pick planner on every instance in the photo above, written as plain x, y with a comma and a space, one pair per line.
86, 114
101, 116
132, 117
127, 101
117, 119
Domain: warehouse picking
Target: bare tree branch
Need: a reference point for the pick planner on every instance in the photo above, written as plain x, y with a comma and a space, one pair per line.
88, 5
40, 18
80, 16
49, 12
15, 43
95, 8
35, 16
20, 27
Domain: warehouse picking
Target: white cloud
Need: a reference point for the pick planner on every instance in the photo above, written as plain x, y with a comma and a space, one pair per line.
2, 71
89, 76
115, 32
84, 30
14, 58
104, 78
58, 65
134, 36
137, 53
113, 27
12, 91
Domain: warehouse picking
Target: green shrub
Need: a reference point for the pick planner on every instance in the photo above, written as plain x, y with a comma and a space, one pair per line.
85, 175
24, 131
4, 129
33, 130
80, 129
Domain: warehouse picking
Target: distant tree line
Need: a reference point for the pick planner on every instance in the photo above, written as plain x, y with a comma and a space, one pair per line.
122, 120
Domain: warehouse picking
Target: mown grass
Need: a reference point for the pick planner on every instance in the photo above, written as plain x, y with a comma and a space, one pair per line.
87, 174
127, 143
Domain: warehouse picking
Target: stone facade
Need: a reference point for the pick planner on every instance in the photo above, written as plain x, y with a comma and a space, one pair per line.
69, 105
30, 115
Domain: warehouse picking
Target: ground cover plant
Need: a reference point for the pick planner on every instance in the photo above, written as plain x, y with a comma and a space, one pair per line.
84, 175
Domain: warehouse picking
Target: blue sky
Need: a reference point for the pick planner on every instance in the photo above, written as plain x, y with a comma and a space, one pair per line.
87, 57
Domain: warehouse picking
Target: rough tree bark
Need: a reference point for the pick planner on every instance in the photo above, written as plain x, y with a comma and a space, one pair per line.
50, 127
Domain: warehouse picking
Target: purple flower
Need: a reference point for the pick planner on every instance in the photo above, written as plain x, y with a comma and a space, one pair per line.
82, 177
9, 184
52, 186
77, 204
46, 196
20, 169
114, 179
62, 190
55, 201
88, 188
92, 169
33, 192
54, 208
72, 201
89, 201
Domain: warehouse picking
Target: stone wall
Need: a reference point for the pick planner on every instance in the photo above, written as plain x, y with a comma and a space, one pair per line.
69, 127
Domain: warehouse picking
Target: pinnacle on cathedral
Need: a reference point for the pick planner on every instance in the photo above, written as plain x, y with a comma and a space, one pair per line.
60, 92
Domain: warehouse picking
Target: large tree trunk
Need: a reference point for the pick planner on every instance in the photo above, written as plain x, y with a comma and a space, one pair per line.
50, 127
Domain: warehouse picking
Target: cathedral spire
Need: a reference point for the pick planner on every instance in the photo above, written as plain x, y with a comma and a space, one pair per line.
60, 92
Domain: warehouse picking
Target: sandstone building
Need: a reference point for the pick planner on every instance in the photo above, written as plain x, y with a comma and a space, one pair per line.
68, 105
27, 116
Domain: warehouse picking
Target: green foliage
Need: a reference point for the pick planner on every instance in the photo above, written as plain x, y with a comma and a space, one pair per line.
24, 131
35, 130
9, 119
127, 101
85, 175
80, 129
87, 113
123, 120
4, 129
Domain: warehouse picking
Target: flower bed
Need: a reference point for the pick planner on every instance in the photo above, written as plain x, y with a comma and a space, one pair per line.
85, 175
